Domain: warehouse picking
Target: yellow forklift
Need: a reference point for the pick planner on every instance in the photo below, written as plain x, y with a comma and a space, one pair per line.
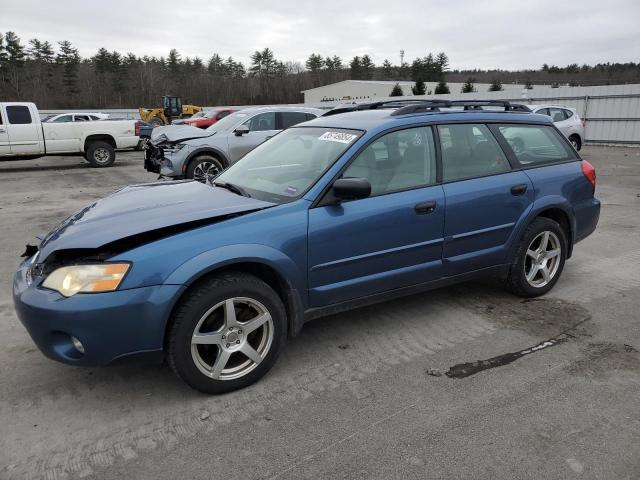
172, 107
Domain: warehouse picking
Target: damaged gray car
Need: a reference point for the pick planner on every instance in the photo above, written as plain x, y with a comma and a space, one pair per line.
183, 151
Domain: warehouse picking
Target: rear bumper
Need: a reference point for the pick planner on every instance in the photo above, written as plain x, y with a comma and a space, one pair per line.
111, 326
587, 215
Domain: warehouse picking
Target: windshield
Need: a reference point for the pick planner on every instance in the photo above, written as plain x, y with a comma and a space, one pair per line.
199, 114
227, 123
285, 167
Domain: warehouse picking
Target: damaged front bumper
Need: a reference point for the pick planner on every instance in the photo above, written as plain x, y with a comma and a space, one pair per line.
164, 160
111, 327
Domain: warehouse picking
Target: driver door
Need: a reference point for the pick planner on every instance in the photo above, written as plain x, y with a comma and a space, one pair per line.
262, 126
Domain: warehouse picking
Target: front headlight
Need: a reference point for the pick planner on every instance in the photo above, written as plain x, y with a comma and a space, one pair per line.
74, 279
175, 148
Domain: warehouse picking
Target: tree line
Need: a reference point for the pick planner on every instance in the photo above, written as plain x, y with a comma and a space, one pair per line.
56, 76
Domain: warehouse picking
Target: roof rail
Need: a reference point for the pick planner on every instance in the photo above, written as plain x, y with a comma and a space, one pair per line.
352, 107
465, 104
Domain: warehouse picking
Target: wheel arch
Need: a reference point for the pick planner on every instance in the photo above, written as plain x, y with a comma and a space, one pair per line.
273, 273
206, 151
98, 137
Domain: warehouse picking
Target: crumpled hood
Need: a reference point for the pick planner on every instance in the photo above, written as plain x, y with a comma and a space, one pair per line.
176, 133
138, 209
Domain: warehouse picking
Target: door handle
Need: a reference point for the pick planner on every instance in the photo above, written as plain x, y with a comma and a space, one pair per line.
2, 130
518, 189
423, 208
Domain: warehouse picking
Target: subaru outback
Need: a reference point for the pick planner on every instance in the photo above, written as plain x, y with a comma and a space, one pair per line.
339, 212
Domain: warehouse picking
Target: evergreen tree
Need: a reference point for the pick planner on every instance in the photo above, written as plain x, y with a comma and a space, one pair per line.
314, 63
396, 91
442, 88
442, 61
419, 88
367, 66
496, 85
387, 69
264, 64
468, 86
69, 59
356, 68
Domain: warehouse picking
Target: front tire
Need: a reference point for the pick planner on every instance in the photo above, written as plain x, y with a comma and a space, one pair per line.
539, 260
204, 168
227, 333
100, 154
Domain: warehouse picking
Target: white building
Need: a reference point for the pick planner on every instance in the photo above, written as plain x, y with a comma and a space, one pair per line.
371, 89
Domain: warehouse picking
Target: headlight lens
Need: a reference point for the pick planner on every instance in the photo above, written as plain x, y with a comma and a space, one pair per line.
104, 277
176, 147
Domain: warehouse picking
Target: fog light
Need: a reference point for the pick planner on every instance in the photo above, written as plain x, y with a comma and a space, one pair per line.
77, 344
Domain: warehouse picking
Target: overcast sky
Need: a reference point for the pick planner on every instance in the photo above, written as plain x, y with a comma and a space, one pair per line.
505, 34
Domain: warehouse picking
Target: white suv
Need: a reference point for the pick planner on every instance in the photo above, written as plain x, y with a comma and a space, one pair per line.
566, 119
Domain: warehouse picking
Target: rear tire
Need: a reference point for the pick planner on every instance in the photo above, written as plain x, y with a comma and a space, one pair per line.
209, 336
204, 168
100, 154
575, 142
539, 260
156, 122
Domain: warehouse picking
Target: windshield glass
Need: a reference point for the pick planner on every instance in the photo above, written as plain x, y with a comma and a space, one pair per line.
227, 123
198, 114
285, 167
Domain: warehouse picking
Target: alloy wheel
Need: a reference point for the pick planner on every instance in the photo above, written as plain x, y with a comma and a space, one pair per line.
232, 338
205, 172
101, 155
542, 259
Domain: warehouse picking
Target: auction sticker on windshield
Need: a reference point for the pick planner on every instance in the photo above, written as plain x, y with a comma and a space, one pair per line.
340, 137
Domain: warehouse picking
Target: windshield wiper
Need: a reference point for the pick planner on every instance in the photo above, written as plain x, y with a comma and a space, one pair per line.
233, 188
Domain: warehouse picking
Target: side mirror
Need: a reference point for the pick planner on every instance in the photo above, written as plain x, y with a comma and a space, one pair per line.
351, 188
241, 130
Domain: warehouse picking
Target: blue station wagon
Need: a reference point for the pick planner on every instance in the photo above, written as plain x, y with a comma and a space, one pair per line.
342, 211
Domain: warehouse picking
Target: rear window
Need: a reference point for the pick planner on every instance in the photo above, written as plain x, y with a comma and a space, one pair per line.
536, 144
18, 114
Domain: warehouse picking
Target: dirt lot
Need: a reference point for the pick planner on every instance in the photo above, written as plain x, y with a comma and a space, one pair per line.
359, 395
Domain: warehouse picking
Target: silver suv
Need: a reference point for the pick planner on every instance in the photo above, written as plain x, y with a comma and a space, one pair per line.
183, 151
566, 119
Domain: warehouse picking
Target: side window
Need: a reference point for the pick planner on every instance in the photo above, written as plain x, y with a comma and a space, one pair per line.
81, 118
222, 114
557, 114
543, 111
310, 116
568, 114
93, 118
63, 119
536, 144
262, 122
470, 151
397, 161
18, 114
289, 119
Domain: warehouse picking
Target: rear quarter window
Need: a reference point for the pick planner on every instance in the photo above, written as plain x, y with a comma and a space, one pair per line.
536, 144
18, 114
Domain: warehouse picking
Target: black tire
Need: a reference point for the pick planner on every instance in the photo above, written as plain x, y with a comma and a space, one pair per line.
199, 170
187, 320
576, 142
156, 122
100, 154
516, 280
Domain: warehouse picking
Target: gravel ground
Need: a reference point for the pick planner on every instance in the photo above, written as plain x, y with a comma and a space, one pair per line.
356, 395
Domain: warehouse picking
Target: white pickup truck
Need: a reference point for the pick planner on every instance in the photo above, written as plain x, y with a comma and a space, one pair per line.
24, 136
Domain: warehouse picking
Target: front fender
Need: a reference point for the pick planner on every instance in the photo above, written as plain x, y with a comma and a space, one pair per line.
221, 257
210, 150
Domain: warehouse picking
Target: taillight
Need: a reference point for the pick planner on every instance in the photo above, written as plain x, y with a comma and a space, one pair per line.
137, 128
589, 172
584, 123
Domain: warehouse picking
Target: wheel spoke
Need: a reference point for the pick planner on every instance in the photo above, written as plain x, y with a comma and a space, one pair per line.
207, 338
250, 352
532, 253
545, 241
532, 273
255, 323
553, 253
545, 273
230, 313
220, 363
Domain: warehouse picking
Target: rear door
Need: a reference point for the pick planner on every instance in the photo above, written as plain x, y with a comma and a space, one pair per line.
484, 197
389, 240
23, 129
261, 127
5, 148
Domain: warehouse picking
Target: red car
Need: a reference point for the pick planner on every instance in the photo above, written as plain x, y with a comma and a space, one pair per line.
206, 118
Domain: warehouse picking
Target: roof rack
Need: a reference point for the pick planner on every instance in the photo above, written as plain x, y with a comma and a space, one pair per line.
406, 107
